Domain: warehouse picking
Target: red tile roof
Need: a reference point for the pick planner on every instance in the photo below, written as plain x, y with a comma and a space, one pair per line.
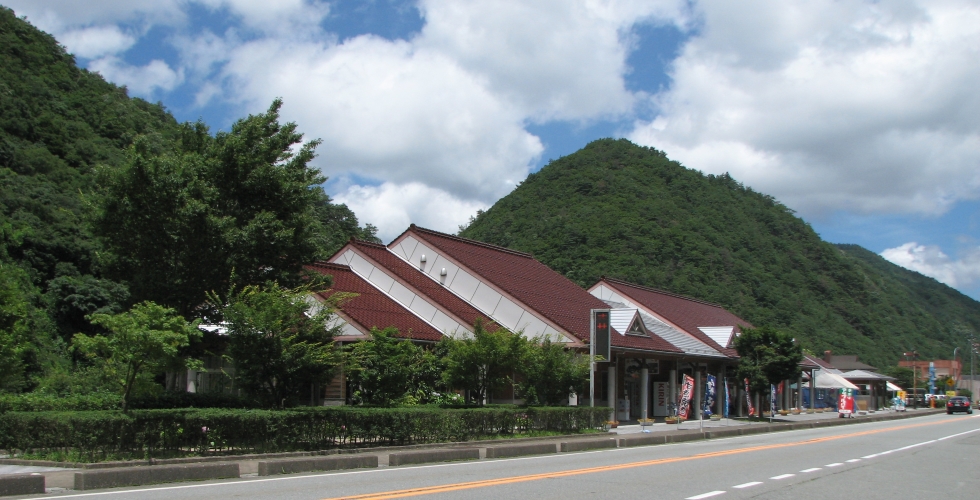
535, 285
422, 283
684, 312
371, 308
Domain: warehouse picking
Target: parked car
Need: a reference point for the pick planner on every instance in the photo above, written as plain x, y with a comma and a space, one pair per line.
959, 403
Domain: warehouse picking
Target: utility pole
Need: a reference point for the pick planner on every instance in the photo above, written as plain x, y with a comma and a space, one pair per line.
915, 396
956, 379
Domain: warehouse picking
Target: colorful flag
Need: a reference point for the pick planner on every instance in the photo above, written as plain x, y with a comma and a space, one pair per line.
687, 391
772, 398
748, 398
728, 401
709, 394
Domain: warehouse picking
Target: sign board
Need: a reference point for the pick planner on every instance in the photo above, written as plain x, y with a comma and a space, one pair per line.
845, 402
623, 410
602, 341
661, 397
950, 382
950, 394
902, 395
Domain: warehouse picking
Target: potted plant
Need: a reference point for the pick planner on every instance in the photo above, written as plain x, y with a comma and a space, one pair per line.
671, 420
795, 411
612, 424
714, 417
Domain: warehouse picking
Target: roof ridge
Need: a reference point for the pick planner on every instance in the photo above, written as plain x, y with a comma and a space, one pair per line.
366, 243
664, 292
329, 265
472, 242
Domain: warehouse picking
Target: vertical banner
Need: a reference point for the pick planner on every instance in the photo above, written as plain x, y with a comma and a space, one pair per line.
932, 377
687, 391
772, 399
728, 400
600, 322
661, 395
710, 389
845, 402
748, 399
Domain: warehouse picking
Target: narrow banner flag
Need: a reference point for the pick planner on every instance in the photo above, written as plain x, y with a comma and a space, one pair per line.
748, 398
687, 391
728, 401
709, 394
772, 399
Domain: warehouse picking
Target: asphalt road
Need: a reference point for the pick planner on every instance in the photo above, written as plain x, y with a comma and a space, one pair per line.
937, 455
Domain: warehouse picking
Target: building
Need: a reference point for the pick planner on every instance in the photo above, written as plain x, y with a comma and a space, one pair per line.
428, 283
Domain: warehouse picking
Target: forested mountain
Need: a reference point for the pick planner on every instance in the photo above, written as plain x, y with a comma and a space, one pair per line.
629, 212
66, 141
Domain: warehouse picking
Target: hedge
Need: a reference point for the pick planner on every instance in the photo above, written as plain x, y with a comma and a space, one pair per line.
108, 435
32, 401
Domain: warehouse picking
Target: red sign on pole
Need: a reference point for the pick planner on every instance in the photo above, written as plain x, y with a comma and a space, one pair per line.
687, 392
845, 402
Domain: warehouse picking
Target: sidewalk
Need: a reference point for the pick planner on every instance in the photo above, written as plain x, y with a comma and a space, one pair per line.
63, 478
688, 425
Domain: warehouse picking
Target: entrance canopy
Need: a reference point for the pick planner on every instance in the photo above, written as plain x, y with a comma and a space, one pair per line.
827, 380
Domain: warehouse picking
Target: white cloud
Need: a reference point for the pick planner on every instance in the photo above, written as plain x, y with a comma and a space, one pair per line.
97, 41
391, 113
931, 261
392, 207
850, 105
61, 16
555, 59
143, 80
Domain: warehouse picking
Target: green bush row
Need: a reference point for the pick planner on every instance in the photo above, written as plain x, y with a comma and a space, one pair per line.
32, 401
105, 435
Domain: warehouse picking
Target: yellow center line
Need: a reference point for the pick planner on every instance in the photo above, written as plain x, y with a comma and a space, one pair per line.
428, 490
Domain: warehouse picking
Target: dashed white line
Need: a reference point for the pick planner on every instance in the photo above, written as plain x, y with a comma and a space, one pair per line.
853, 460
814, 469
747, 485
705, 495
835, 464
782, 476
871, 456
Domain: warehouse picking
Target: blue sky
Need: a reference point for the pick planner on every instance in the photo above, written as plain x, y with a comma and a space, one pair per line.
860, 115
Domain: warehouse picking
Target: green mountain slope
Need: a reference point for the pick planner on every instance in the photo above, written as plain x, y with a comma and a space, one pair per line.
59, 125
625, 211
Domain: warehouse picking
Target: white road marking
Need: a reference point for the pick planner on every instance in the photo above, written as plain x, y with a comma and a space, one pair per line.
836, 464
705, 495
954, 435
747, 485
782, 476
853, 460
871, 456
814, 469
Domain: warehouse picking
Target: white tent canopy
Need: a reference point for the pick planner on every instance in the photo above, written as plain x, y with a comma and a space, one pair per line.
827, 380
893, 387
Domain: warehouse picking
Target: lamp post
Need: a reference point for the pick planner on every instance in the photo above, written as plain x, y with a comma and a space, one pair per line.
915, 400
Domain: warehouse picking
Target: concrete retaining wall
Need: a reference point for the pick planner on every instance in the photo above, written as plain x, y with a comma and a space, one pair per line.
293, 465
427, 456
135, 476
21, 484
591, 444
518, 450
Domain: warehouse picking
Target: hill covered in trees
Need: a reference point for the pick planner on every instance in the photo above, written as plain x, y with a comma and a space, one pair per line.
69, 142
629, 212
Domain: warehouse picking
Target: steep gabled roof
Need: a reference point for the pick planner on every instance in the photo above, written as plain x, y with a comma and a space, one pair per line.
534, 284
686, 313
425, 285
371, 308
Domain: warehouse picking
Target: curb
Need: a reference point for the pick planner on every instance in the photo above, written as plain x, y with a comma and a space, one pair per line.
21, 484
520, 450
428, 456
293, 465
137, 476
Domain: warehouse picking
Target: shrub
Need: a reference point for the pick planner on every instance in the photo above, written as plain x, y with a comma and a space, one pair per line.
105, 435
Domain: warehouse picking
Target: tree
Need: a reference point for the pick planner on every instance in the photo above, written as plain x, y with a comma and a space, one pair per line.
483, 363
767, 356
551, 372
144, 340
387, 369
902, 374
279, 341
217, 213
